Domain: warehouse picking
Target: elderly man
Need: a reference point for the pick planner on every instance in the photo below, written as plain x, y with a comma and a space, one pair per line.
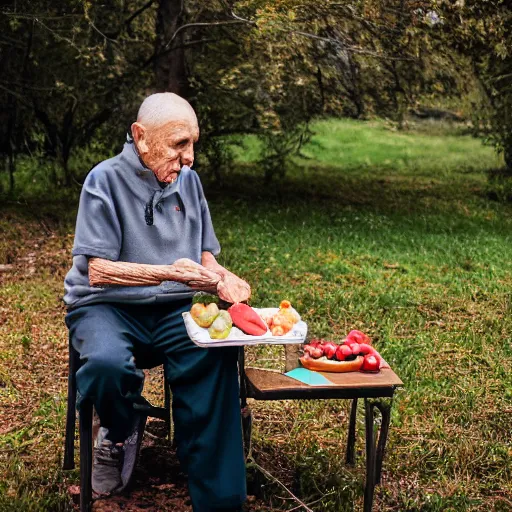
144, 240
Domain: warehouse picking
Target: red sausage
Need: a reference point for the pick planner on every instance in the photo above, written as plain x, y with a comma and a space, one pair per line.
247, 320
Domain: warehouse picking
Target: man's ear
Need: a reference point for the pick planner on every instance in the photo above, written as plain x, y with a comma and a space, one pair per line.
139, 136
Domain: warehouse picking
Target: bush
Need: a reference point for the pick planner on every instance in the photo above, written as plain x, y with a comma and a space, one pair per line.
499, 186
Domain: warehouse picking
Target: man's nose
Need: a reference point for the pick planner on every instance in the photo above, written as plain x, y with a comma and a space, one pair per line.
187, 157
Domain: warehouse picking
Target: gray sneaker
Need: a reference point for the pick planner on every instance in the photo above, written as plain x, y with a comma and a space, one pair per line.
107, 465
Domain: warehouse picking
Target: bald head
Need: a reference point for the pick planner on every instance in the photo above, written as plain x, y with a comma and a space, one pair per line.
164, 134
164, 107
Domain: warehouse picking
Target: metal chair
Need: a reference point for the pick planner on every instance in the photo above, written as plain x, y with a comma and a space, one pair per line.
86, 430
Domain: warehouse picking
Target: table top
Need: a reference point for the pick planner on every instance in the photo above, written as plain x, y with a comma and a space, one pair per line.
271, 385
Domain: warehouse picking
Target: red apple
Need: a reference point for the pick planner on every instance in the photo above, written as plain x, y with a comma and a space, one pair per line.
342, 352
355, 347
371, 363
317, 352
355, 336
364, 349
329, 349
308, 349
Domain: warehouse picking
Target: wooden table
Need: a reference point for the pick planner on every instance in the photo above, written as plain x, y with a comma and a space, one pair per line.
377, 390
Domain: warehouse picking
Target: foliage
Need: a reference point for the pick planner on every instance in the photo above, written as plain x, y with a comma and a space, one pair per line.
481, 31
290, 61
499, 186
75, 71
68, 68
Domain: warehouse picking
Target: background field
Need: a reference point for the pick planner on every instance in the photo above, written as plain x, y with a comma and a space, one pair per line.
391, 233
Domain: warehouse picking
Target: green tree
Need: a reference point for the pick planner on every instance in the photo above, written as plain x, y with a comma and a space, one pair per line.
482, 31
67, 68
248, 66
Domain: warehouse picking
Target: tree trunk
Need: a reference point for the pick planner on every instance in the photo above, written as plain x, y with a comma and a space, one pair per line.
170, 66
11, 147
507, 153
355, 93
12, 168
320, 88
65, 168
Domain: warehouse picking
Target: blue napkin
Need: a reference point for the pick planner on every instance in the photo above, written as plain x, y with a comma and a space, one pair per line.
309, 377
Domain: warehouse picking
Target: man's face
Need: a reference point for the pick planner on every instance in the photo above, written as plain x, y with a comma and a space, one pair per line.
166, 149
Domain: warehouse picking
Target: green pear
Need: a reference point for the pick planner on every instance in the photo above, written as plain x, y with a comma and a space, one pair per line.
204, 315
221, 326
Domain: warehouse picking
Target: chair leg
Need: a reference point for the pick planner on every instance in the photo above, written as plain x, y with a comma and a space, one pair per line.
247, 430
351, 441
245, 411
69, 445
86, 441
167, 405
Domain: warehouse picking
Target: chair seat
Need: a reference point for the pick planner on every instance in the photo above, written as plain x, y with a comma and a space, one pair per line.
272, 385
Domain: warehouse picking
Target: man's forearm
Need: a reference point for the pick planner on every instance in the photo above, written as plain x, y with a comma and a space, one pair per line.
208, 260
104, 272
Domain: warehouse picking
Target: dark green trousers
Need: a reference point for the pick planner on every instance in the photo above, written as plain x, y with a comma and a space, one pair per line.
204, 384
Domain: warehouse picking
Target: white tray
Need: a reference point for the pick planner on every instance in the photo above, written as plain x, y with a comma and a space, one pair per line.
237, 338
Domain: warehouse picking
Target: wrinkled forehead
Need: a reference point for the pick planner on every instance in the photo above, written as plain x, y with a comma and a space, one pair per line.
176, 130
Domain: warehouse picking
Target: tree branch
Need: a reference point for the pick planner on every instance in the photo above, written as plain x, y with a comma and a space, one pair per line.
112, 37
138, 12
36, 16
107, 38
57, 36
331, 40
28, 87
156, 56
205, 24
16, 95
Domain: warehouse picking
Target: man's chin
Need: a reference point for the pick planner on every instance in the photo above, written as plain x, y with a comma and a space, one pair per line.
170, 178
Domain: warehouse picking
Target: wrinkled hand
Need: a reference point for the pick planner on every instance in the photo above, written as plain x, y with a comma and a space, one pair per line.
233, 289
194, 275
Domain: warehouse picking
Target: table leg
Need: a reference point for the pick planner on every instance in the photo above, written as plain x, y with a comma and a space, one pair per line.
375, 446
385, 411
370, 456
351, 440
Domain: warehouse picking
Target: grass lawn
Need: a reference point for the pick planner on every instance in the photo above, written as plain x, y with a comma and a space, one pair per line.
390, 233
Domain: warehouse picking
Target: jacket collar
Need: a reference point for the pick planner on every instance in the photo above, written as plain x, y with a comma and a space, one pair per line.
142, 173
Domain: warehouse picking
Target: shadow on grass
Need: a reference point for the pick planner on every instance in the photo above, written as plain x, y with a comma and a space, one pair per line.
382, 191
324, 197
